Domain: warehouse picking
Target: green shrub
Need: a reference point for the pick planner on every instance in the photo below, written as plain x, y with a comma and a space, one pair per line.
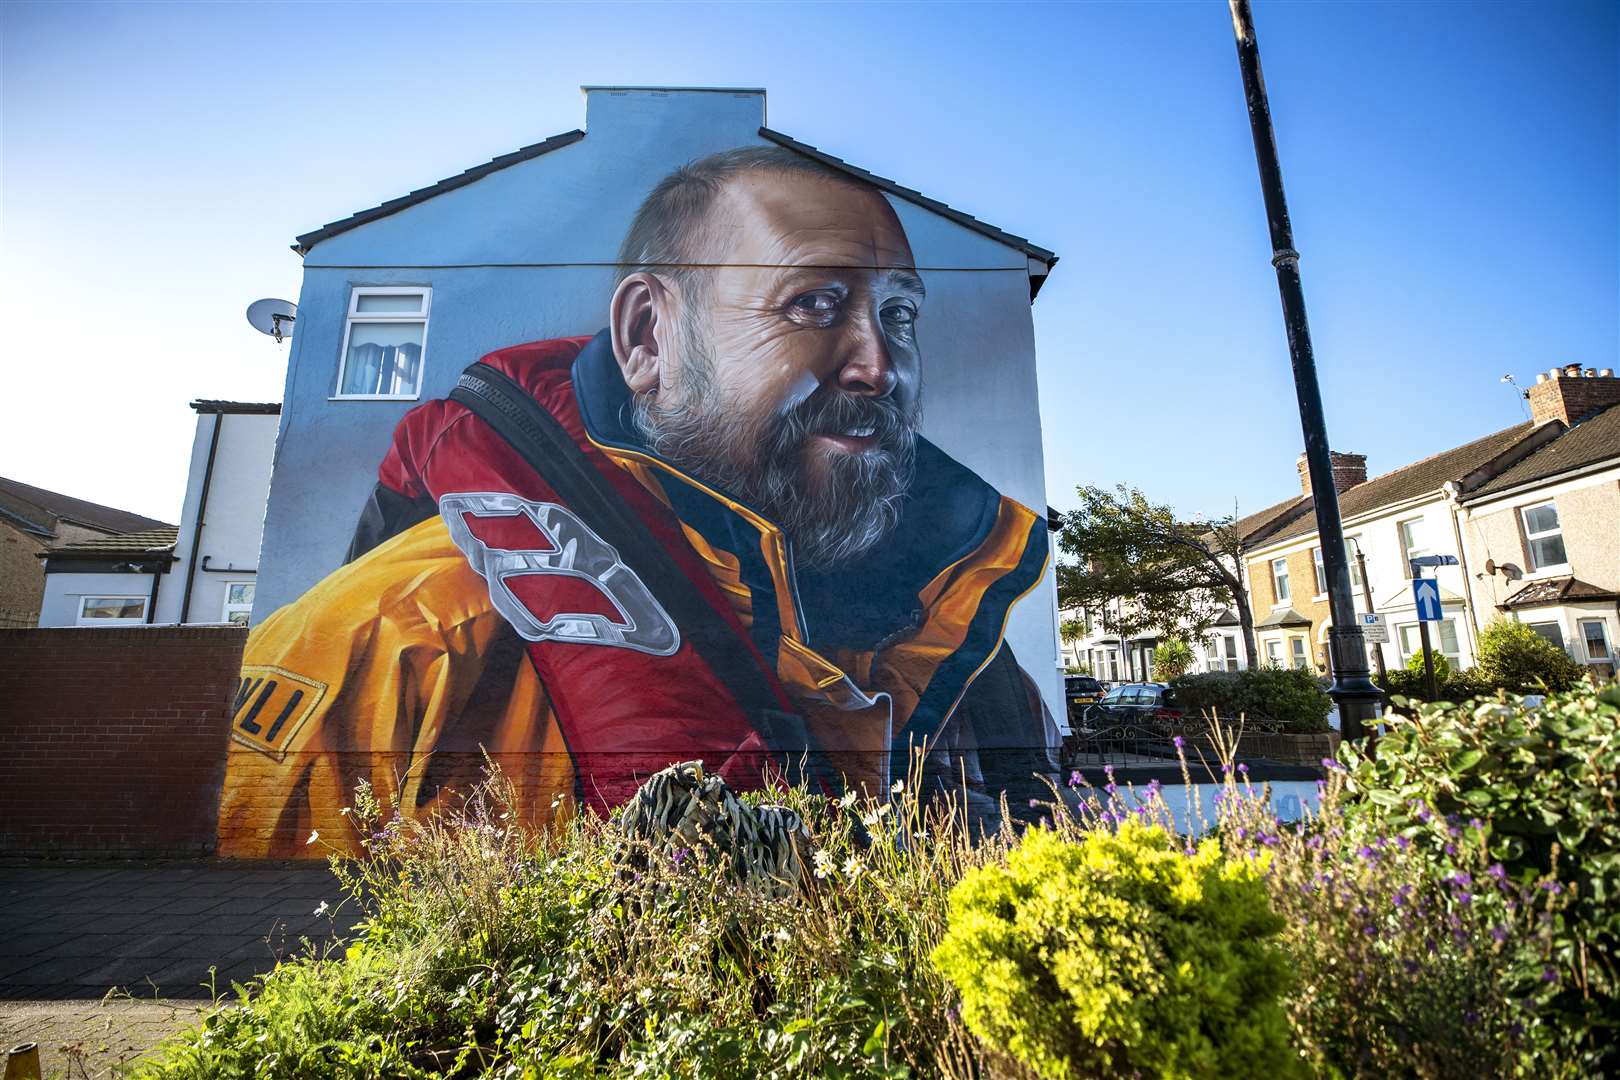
1121, 954
1290, 697
1543, 784
1442, 667
1456, 686
1514, 657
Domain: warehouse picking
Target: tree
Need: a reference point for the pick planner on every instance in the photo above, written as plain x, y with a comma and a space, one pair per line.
1171, 659
1072, 629
1160, 574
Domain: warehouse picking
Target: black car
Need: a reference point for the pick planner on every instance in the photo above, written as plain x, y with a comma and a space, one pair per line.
1080, 691
1134, 703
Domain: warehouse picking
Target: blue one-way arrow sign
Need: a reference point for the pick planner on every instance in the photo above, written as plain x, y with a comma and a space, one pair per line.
1426, 591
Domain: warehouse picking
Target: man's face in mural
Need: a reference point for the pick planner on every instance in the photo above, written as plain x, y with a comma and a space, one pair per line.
787, 372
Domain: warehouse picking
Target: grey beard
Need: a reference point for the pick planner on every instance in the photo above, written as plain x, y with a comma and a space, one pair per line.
833, 513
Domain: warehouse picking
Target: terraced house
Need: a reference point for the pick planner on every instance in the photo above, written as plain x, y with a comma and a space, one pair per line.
1500, 505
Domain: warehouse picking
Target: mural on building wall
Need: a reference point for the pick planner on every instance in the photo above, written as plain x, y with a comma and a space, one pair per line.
710, 531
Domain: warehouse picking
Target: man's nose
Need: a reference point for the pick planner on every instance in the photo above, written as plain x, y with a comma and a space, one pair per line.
865, 367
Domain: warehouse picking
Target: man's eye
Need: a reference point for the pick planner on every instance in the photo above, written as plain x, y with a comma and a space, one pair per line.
900, 316
817, 303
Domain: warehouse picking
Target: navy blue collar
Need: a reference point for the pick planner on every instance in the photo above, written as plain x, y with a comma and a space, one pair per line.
948, 512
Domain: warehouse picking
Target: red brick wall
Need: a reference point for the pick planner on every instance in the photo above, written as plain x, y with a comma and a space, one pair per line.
112, 742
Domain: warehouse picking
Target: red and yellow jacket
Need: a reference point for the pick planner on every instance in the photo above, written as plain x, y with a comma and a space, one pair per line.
479, 616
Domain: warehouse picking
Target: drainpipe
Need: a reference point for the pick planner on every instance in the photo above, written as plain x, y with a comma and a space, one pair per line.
151, 601
197, 527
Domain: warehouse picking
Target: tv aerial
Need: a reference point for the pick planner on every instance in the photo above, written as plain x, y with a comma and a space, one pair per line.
273, 317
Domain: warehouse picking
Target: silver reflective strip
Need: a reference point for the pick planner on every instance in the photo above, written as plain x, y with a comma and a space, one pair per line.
641, 624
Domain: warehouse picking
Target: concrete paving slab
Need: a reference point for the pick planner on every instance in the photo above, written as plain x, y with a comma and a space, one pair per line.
91, 1039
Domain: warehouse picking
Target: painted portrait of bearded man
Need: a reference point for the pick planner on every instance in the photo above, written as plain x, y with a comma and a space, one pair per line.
710, 531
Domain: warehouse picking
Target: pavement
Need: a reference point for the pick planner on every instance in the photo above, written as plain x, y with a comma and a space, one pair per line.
99, 962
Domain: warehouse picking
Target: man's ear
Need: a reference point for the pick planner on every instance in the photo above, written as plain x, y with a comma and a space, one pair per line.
641, 317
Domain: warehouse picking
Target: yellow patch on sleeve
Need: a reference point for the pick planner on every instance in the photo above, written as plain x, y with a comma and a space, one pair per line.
272, 703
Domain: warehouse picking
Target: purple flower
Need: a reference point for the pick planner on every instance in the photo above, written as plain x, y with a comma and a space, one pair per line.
1498, 934
1074, 778
1153, 787
1496, 871
1108, 771
1548, 975
1112, 788
1329, 763
1552, 887
1242, 768
1451, 849
1227, 768
1462, 879
1367, 853
1269, 839
1402, 842
1045, 823
1476, 824
1178, 742
680, 856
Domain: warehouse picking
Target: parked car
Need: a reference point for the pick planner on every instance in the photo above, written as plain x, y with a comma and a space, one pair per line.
1133, 703
1080, 691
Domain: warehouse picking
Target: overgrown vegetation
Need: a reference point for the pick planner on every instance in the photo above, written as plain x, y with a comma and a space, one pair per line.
1512, 657
1171, 658
1448, 913
1290, 698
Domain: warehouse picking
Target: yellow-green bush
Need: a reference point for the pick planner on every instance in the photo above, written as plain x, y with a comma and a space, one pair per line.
1121, 954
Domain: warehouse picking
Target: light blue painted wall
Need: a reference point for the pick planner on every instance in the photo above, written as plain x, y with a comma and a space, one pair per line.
525, 254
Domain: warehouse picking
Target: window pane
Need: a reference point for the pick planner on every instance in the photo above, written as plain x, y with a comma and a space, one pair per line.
1551, 631
1411, 642
1597, 642
1548, 551
1321, 571
237, 618
113, 607
1448, 637
1540, 519
240, 593
1279, 578
384, 358
371, 302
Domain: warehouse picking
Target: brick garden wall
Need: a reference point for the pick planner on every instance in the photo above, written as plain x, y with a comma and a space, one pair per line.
112, 742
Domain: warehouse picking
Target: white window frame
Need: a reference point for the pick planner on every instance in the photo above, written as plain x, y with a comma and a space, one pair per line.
226, 607
1437, 640
1279, 600
1556, 624
1274, 651
1531, 537
1603, 632
1320, 567
1410, 553
357, 316
81, 620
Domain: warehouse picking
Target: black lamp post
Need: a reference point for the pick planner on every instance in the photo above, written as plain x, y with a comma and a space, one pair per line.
1352, 690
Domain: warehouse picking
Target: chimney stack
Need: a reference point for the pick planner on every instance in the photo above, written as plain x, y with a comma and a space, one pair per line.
1348, 471
1570, 394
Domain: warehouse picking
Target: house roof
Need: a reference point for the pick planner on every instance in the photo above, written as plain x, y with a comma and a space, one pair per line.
1285, 617
1258, 525
302, 244
144, 543
1587, 443
1558, 590
261, 408
43, 509
1411, 481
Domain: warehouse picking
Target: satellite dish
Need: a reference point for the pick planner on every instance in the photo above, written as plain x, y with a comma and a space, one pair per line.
273, 317
1490, 567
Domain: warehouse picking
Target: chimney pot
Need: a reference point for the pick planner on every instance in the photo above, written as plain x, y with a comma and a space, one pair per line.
1571, 394
1541, 376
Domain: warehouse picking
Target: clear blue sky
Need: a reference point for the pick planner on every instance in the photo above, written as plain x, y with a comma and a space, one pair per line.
1451, 169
